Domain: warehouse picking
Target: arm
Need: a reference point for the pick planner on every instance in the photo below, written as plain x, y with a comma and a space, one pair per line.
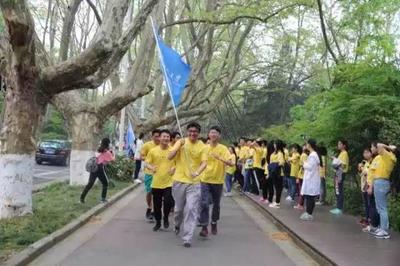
383, 147
176, 149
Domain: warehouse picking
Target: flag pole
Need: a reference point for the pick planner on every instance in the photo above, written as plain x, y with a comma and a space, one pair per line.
166, 80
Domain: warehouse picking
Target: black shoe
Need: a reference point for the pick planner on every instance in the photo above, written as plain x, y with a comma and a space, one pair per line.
187, 245
204, 231
176, 230
214, 230
157, 227
149, 216
166, 224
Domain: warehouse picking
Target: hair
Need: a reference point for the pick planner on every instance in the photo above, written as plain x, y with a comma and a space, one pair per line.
242, 138
297, 147
105, 145
279, 146
195, 125
165, 131
234, 152
216, 128
270, 150
155, 131
345, 143
174, 134
235, 144
322, 150
141, 135
260, 142
313, 144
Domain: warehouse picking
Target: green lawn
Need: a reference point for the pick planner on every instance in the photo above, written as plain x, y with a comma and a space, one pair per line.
53, 207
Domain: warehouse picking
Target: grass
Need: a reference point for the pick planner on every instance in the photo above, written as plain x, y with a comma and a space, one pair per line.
53, 207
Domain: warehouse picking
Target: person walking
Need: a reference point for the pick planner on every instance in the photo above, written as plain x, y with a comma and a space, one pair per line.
212, 181
311, 180
138, 158
103, 156
191, 159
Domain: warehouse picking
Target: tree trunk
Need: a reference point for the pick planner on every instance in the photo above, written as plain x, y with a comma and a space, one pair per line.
85, 132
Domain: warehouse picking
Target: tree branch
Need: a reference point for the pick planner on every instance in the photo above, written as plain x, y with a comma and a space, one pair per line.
328, 46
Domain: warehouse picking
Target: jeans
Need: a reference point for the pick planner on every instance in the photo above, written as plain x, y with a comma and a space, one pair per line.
322, 196
210, 193
247, 177
340, 194
292, 186
381, 191
138, 165
228, 182
101, 175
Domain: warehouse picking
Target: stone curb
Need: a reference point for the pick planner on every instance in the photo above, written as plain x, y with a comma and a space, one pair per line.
34, 250
317, 255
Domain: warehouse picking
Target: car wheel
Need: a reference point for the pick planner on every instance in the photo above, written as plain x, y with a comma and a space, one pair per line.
38, 161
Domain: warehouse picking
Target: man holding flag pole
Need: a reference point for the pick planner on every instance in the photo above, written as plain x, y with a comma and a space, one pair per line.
189, 153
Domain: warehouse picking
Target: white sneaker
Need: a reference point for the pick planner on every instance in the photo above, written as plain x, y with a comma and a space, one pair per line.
319, 203
382, 234
137, 181
289, 198
306, 217
275, 205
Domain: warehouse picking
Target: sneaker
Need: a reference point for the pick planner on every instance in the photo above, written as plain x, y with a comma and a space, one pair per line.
204, 231
166, 224
176, 230
275, 205
137, 181
261, 200
229, 194
382, 234
319, 203
149, 215
289, 198
336, 211
157, 227
187, 245
298, 207
373, 230
214, 230
369, 229
306, 217
104, 201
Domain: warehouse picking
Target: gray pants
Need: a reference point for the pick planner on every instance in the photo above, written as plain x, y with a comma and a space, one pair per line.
210, 193
187, 197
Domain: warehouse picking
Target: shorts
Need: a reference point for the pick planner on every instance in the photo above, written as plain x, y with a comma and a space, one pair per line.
147, 182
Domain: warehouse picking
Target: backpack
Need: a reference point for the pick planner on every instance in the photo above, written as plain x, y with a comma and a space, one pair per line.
91, 165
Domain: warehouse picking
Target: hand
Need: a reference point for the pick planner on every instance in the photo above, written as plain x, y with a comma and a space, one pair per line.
297, 181
171, 171
215, 156
182, 141
195, 174
392, 147
154, 169
370, 190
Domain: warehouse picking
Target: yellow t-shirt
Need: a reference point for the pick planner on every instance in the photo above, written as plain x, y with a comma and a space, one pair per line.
231, 169
286, 151
294, 164
215, 171
322, 169
344, 158
257, 157
382, 165
159, 158
303, 158
243, 153
144, 151
278, 157
188, 160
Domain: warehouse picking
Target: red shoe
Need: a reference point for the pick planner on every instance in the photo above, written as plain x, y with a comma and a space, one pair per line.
204, 231
214, 230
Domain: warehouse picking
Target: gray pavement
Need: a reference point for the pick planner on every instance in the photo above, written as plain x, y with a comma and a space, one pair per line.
46, 173
120, 236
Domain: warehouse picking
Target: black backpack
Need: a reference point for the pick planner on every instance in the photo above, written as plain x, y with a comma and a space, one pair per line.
91, 165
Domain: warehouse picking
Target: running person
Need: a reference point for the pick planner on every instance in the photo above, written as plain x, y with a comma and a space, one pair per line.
212, 181
191, 160
148, 175
162, 169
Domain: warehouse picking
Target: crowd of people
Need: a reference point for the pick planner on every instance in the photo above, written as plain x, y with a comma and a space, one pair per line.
185, 176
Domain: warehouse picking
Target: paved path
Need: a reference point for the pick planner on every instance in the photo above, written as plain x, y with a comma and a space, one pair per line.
120, 236
45, 173
340, 238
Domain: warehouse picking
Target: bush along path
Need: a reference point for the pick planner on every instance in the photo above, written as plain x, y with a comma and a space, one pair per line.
53, 207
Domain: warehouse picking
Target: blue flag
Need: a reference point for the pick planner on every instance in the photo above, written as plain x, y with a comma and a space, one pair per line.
129, 137
176, 71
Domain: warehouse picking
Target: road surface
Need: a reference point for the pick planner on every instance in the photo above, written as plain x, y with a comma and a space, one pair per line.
45, 173
120, 236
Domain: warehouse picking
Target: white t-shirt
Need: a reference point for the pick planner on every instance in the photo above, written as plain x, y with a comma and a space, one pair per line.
138, 148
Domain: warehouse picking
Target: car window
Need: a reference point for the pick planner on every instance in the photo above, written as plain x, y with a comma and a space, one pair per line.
54, 145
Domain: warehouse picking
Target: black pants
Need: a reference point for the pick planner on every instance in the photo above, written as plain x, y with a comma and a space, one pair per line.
101, 175
310, 203
262, 181
138, 165
238, 175
253, 183
160, 196
277, 183
373, 213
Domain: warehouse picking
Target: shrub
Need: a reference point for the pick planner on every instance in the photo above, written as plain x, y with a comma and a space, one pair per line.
121, 169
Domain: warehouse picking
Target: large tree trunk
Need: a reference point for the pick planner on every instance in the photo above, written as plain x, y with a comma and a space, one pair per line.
24, 110
85, 132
